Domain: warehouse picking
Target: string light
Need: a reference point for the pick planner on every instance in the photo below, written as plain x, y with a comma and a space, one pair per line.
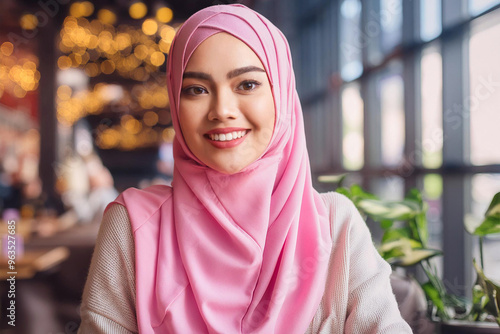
99, 48
18, 75
164, 14
28, 22
138, 10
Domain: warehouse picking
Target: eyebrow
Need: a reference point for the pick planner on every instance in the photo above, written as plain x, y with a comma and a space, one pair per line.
230, 74
241, 70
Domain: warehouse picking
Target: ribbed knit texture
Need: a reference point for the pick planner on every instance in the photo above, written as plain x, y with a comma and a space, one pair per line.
109, 295
358, 297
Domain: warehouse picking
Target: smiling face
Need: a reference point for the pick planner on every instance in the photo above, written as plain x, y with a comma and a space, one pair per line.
226, 110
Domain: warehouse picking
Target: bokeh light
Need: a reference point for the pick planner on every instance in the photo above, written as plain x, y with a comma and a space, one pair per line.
138, 10
106, 16
164, 14
28, 22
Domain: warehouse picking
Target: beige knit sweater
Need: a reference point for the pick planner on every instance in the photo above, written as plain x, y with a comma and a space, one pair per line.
358, 297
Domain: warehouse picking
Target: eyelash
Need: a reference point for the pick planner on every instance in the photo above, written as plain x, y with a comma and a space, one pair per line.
190, 90
252, 82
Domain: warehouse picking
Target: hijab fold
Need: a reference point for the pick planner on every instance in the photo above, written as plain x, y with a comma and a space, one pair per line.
248, 243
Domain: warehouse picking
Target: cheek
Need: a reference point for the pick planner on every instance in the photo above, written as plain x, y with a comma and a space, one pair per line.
263, 117
188, 123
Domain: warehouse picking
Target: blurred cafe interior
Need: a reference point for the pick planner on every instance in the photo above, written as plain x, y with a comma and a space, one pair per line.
396, 94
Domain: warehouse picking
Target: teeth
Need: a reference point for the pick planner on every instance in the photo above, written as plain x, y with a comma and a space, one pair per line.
227, 136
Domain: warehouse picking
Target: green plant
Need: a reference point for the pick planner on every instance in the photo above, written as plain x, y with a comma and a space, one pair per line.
405, 243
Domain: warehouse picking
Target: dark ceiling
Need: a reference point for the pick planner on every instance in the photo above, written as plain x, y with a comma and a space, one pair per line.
10, 10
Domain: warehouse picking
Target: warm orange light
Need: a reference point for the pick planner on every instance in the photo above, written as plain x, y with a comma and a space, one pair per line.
168, 135
164, 46
76, 9
64, 92
76, 59
7, 48
167, 33
64, 62
92, 69
87, 8
107, 67
149, 27
19, 92
164, 14
137, 10
141, 51
157, 58
150, 118
106, 16
28, 22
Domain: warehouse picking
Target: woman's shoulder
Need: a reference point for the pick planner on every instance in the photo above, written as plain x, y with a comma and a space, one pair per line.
335, 200
141, 204
342, 213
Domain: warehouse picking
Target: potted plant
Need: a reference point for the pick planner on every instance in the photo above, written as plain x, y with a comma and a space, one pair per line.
405, 243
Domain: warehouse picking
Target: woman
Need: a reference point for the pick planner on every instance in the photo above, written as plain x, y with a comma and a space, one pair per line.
241, 243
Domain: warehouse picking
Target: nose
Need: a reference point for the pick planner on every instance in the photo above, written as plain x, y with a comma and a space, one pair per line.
223, 106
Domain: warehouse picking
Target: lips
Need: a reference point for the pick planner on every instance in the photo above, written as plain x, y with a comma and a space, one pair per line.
226, 137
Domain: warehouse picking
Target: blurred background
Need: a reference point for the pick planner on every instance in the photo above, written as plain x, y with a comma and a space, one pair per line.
396, 93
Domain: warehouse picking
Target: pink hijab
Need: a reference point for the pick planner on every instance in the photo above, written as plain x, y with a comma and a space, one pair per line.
251, 245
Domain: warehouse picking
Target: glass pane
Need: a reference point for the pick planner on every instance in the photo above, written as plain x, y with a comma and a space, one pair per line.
430, 19
478, 6
432, 192
389, 188
393, 120
432, 115
391, 21
484, 186
350, 40
484, 96
352, 128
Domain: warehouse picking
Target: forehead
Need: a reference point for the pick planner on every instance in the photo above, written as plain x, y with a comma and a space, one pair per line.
222, 50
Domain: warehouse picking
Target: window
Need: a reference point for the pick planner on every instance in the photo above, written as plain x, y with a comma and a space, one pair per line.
351, 44
393, 120
430, 19
352, 129
431, 104
391, 19
413, 111
484, 186
484, 96
478, 6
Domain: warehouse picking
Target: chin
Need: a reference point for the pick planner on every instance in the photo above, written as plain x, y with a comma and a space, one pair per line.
227, 169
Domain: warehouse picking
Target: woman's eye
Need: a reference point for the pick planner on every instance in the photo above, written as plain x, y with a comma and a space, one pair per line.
248, 85
194, 90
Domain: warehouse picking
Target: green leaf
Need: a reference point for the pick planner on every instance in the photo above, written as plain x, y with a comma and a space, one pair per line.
386, 224
421, 226
433, 295
415, 195
357, 191
332, 178
344, 191
490, 225
415, 256
381, 210
494, 207
492, 290
471, 223
401, 243
396, 234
